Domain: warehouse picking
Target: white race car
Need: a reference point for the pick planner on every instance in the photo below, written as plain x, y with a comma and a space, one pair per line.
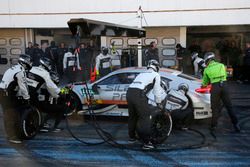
109, 92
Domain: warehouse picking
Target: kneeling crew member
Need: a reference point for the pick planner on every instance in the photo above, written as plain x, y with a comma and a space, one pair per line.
215, 73
138, 106
14, 93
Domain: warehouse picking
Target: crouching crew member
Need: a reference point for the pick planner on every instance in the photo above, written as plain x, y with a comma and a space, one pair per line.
103, 63
43, 90
138, 107
14, 93
215, 73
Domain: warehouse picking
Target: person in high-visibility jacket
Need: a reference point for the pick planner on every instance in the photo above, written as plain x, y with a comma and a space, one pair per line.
103, 63
215, 74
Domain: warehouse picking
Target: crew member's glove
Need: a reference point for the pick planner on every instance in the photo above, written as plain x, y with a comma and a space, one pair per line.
64, 90
160, 106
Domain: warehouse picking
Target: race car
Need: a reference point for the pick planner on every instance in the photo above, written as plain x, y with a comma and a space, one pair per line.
108, 94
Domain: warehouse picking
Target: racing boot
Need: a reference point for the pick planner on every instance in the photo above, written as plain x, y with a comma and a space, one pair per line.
148, 146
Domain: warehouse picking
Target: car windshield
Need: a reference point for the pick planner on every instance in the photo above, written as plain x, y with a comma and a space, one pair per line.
122, 78
188, 77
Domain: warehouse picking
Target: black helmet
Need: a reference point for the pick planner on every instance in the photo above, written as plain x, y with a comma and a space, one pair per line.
25, 61
46, 63
184, 87
105, 50
154, 64
209, 56
194, 55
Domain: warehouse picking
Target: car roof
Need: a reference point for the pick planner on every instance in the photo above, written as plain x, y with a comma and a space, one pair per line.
163, 72
142, 69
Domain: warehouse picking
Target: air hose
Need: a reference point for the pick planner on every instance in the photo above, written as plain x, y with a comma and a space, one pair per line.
109, 139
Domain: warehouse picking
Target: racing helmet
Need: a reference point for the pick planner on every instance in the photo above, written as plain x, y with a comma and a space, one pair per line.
154, 64
46, 63
105, 50
194, 55
184, 87
25, 61
209, 56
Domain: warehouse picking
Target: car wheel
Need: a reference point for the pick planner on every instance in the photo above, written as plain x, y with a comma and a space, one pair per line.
73, 104
30, 122
161, 128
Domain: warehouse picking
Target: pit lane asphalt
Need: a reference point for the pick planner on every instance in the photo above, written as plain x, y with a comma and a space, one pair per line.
60, 149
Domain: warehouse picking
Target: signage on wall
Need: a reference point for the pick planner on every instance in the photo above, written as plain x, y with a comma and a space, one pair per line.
3, 51
168, 63
169, 41
3, 41
15, 51
132, 41
117, 41
168, 52
149, 40
15, 42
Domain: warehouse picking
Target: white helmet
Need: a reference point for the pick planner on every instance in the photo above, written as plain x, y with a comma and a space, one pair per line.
154, 64
209, 56
194, 55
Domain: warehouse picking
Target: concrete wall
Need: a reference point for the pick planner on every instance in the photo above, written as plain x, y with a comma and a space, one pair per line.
56, 13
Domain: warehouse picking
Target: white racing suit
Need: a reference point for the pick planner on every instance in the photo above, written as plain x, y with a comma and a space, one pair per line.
15, 75
44, 93
141, 112
12, 87
199, 66
103, 64
71, 65
38, 78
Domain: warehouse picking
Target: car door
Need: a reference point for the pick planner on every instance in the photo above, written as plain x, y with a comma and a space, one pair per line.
113, 89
